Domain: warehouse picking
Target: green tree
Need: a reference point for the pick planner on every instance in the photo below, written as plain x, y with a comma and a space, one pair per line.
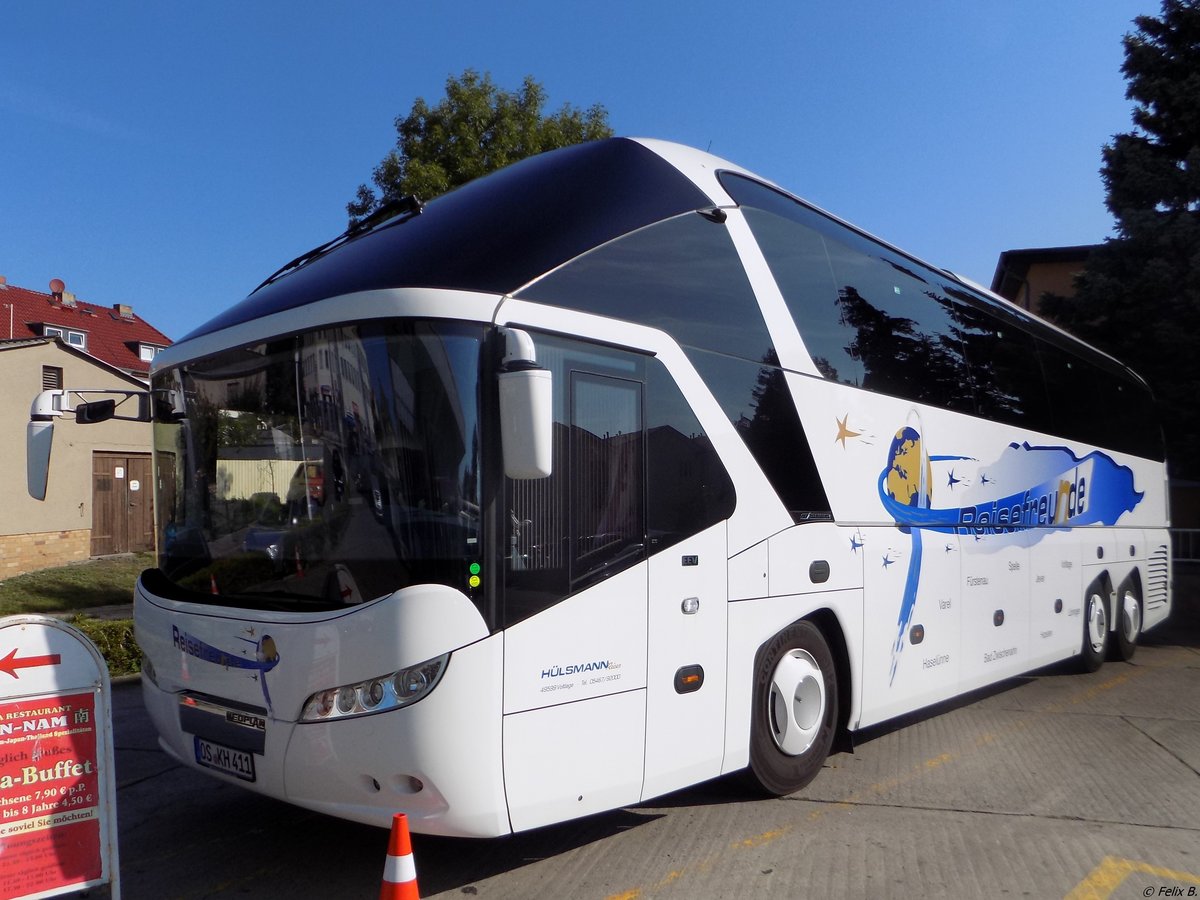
475, 129
1139, 295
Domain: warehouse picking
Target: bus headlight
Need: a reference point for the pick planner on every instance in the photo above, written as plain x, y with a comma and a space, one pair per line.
391, 691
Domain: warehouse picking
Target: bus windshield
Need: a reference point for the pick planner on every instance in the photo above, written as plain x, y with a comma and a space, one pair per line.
321, 469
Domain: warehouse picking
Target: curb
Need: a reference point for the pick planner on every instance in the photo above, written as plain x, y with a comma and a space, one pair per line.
107, 613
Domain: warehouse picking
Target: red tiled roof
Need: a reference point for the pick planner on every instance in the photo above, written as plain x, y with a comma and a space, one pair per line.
111, 337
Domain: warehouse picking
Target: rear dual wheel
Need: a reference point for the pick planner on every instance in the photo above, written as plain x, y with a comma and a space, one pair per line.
1098, 641
1129, 623
1095, 629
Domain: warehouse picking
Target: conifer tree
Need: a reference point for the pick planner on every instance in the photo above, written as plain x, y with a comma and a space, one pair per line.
1139, 295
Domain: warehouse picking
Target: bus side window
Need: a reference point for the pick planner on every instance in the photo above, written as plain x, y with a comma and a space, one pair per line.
586, 521
633, 473
1006, 375
756, 399
687, 487
608, 469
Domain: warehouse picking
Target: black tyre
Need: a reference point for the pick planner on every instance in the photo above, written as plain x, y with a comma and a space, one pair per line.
1129, 623
795, 710
1095, 629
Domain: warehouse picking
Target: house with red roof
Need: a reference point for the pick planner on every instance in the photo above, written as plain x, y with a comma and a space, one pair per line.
99, 495
114, 335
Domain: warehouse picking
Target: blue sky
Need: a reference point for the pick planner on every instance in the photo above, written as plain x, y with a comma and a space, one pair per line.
171, 155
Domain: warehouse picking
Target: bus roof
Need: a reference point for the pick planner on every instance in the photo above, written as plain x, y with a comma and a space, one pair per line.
494, 234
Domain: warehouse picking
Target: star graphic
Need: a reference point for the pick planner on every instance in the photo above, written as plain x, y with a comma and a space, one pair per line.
844, 431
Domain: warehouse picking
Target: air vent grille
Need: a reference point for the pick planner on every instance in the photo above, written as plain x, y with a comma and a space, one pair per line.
1157, 570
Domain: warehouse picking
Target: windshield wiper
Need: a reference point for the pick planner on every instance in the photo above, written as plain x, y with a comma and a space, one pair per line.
401, 210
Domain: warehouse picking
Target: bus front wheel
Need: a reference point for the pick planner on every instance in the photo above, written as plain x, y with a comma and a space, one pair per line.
795, 709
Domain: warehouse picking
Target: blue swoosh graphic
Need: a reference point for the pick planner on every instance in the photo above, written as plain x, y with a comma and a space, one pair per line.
193, 646
1046, 488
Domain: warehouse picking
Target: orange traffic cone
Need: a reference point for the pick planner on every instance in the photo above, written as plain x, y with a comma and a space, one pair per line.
400, 870
212, 583
299, 564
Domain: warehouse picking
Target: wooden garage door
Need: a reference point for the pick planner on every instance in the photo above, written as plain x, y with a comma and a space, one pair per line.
122, 503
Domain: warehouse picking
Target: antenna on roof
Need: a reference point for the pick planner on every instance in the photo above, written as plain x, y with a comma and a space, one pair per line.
56, 288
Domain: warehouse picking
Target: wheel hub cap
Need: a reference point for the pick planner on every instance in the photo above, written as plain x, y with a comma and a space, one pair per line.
1097, 623
1131, 617
797, 702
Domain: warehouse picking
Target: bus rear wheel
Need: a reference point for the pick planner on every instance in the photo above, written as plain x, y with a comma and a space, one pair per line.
1095, 629
795, 709
1129, 623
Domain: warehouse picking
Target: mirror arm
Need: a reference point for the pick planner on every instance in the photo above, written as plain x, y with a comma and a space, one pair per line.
51, 405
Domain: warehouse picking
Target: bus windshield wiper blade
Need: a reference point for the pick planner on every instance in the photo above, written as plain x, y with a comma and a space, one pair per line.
406, 207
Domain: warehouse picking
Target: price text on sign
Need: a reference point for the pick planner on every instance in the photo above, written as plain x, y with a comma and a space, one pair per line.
49, 793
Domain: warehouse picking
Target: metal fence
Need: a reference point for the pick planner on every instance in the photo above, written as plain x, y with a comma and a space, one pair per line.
1185, 544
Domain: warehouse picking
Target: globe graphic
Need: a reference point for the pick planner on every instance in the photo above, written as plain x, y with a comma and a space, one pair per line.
267, 651
904, 469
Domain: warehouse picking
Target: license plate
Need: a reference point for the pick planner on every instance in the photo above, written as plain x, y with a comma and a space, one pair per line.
238, 763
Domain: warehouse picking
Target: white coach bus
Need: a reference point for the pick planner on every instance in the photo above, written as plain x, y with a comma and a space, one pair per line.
612, 472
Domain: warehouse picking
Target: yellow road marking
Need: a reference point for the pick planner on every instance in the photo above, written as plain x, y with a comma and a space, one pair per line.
1112, 871
765, 838
938, 760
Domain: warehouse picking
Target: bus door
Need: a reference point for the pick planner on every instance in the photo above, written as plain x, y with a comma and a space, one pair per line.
627, 534
685, 682
575, 602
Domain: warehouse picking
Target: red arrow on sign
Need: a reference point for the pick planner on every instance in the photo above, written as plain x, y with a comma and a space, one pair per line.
10, 663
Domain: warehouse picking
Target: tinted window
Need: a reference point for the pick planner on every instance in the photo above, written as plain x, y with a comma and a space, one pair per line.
905, 335
1096, 403
1072, 385
869, 317
1136, 419
682, 276
607, 472
687, 487
800, 261
1005, 371
874, 318
756, 399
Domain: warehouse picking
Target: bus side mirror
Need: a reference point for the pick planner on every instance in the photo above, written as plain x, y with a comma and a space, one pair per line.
38, 438
526, 409
39, 435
